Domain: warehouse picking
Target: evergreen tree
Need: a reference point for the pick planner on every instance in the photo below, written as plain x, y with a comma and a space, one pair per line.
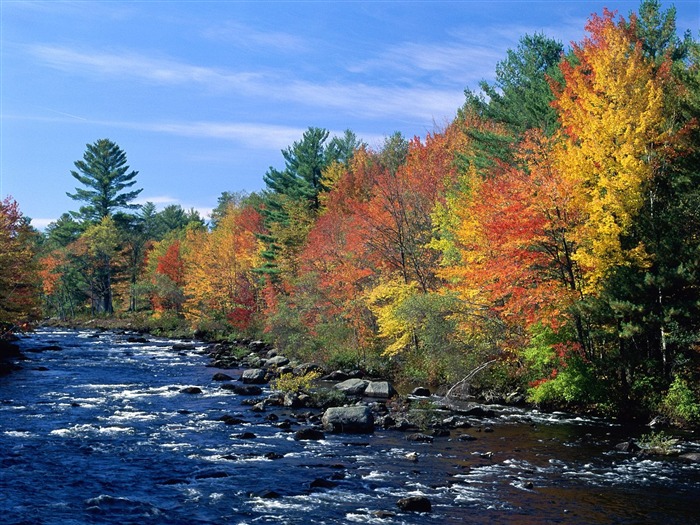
105, 175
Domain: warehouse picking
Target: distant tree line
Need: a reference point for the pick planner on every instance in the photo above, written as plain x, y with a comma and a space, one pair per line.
552, 229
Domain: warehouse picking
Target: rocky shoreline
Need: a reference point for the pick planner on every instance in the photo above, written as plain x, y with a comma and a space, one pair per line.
311, 403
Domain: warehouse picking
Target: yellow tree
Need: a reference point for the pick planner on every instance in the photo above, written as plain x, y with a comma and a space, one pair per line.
611, 110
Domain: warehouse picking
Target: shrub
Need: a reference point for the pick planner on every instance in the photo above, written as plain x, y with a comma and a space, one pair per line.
681, 403
294, 384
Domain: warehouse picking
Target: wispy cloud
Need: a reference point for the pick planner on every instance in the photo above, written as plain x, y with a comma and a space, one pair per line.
419, 101
246, 37
132, 65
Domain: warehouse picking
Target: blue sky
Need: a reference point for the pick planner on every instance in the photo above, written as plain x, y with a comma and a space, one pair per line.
203, 95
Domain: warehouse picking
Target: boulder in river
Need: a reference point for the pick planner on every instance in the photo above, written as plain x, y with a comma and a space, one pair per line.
243, 390
191, 390
253, 376
309, 434
380, 389
349, 420
220, 376
415, 504
352, 387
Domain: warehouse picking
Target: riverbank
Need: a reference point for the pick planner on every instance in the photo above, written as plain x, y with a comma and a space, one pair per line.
147, 325
151, 430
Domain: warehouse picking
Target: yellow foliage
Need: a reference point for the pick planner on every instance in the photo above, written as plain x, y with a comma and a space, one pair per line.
611, 109
385, 301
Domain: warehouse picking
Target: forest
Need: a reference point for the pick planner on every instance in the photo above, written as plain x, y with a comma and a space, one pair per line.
549, 234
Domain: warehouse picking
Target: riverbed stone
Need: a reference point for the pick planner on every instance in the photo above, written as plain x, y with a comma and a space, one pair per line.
191, 390
380, 389
220, 376
691, 456
309, 434
419, 437
253, 376
348, 420
243, 390
415, 504
352, 387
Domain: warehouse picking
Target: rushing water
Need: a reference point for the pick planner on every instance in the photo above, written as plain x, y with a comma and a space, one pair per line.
99, 432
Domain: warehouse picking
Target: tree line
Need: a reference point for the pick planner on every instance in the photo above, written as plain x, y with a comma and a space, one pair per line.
552, 229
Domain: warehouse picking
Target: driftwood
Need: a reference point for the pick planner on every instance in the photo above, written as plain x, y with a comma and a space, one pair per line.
466, 379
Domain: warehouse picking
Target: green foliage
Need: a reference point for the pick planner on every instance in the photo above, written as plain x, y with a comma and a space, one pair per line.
424, 414
659, 443
560, 375
290, 383
105, 174
681, 403
328, 397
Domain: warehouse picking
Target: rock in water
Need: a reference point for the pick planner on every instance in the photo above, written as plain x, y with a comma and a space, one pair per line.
380, 389
352, 387
308, 434
350, 420
191, 390
253, 376
415, 504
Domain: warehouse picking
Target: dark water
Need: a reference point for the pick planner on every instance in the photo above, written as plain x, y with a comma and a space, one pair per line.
98, 432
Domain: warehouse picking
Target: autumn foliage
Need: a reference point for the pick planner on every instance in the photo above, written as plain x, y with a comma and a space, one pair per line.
550, 230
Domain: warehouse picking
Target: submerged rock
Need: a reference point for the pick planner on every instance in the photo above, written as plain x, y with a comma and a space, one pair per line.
309, 434
220, 376
191, 390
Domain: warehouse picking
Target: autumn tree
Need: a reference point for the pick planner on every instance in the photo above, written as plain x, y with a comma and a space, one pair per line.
19, 287
219, 278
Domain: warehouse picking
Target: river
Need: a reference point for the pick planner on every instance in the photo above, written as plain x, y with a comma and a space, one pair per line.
95, 429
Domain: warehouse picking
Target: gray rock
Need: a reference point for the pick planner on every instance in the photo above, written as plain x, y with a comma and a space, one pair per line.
243, 390
350, 420
253, 376
381, 389
220, 376
691, 456
277, 361
352, 387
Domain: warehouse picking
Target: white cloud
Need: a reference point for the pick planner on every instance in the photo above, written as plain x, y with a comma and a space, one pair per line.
247, 37
158, 199
408, 102
41, 224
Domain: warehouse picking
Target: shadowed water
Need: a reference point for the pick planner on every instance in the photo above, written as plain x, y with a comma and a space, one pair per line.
99, 432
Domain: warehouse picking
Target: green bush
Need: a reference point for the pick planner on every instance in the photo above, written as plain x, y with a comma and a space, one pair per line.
681, 403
